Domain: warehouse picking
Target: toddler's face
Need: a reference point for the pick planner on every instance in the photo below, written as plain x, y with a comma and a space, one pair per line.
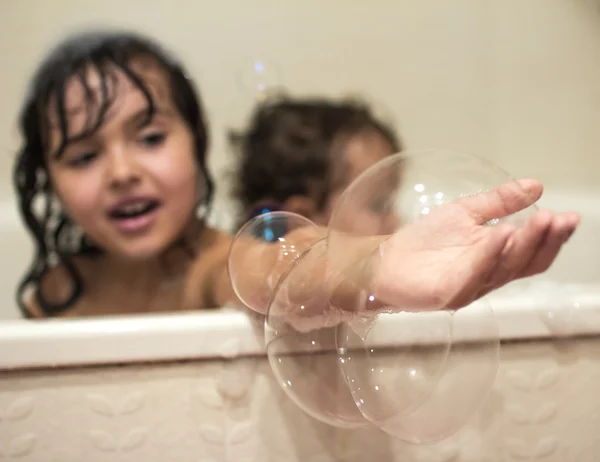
132, 182
359, 153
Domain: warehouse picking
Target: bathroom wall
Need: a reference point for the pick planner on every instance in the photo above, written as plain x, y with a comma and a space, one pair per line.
514, 81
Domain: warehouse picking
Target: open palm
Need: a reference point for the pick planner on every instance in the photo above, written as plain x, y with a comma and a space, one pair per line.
451, 257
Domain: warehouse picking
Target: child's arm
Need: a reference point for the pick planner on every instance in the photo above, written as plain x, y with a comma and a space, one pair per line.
446, 260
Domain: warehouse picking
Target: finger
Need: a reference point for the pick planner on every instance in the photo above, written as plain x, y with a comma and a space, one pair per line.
472, 275
522, 248
573, 222
502, 201
562, 228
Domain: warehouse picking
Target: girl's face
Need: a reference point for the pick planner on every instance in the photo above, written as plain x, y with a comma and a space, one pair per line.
132, 184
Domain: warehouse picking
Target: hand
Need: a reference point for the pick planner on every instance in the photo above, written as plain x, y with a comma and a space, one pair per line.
450, 258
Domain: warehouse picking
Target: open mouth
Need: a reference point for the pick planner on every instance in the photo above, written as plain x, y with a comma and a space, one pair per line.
133, 210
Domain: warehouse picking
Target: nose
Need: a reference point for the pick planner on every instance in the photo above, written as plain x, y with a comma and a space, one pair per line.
123, 170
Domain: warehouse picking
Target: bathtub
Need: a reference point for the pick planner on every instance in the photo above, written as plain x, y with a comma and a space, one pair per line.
197, 386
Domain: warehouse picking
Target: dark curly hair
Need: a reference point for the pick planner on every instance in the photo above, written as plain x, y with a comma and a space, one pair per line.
287, 148
55, 236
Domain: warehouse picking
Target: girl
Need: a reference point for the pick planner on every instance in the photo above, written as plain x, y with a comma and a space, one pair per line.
299, 155
113, 186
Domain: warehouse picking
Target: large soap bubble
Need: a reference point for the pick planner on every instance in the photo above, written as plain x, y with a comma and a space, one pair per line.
416, 372
345, 357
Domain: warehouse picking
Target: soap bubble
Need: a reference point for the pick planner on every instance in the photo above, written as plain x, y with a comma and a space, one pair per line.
292, 235
393, 362
300, 336
257, 79
343, 356
412, 370
554, 302
467, 378
256, 82
299, 327
566, 309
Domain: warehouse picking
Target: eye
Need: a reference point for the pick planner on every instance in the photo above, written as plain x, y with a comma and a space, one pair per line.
153, 139
82, 160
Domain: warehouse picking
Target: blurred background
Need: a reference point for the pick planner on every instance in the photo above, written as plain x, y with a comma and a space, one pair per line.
512, 81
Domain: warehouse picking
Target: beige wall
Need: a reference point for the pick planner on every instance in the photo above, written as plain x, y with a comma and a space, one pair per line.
515, 81
512, 80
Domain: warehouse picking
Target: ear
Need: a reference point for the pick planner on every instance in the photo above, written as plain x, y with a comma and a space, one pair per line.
302, 205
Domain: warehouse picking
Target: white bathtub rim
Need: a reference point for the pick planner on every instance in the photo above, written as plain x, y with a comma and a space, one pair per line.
231, 333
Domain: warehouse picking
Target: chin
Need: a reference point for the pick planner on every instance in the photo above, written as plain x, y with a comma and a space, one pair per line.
142, 249
147, 246
140, 254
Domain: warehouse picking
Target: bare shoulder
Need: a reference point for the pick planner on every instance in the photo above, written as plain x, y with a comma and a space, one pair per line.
207, 278
59, 284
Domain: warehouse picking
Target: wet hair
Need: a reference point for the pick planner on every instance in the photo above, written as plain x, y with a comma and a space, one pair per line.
288, 147
56, 237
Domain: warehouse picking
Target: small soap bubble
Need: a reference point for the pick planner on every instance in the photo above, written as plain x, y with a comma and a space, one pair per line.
252, 251
555, 306
258, 79
566, 309
256, 82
